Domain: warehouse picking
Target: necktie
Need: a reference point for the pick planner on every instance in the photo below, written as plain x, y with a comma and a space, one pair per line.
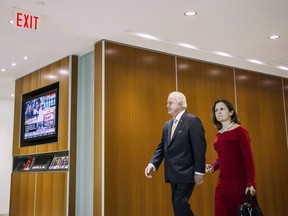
173, 127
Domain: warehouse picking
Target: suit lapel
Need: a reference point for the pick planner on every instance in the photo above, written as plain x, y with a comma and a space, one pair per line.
169, 130
179, 125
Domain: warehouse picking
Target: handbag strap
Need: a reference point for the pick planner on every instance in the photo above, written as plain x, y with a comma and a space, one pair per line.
252, 199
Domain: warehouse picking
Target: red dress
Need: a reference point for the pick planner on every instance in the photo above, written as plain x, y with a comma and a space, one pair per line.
237, 170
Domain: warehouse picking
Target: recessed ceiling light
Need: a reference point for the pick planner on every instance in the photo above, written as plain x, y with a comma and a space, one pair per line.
3, 69
12, 95
274, 37
13, 64
11, 21
25, 57
40, 2
190, 13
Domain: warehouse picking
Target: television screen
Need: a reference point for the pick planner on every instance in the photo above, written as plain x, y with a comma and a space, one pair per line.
39, 120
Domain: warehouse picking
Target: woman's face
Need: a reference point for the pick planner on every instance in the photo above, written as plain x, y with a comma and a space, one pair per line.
222, 112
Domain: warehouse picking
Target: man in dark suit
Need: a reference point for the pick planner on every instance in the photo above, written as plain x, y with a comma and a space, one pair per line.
183, 149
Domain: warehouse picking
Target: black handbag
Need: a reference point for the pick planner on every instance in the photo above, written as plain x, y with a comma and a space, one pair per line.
250, 206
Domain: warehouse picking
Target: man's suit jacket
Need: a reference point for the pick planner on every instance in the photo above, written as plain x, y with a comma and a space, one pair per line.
184, 154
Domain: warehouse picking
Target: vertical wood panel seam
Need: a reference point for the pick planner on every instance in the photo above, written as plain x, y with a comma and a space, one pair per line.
284, 109
235, 90
37, 147
38, 85
103, 129
176, 73
69, 132
35, 194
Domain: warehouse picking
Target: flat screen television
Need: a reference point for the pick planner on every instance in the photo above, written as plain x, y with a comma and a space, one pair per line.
39, 116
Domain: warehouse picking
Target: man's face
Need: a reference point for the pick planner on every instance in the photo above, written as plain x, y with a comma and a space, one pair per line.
173, 106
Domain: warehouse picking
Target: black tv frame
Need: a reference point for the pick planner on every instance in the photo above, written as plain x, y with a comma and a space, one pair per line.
50, 138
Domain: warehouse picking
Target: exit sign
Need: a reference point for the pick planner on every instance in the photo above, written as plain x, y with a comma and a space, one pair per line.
26, 20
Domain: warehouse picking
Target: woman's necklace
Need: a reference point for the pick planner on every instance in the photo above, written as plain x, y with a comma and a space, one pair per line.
225, 129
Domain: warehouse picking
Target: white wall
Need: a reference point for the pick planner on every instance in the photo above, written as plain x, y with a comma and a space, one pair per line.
6, 136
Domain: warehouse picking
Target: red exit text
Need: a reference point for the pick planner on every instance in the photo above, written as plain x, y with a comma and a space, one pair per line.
27, 21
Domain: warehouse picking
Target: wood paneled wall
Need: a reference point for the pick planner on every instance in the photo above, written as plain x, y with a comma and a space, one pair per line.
51, 194
49, 189
202, 84
56, 72
65, 72
22, 86
133, 111
261, 110
22, 194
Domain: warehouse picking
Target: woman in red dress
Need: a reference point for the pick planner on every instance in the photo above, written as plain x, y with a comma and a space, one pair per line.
235, 160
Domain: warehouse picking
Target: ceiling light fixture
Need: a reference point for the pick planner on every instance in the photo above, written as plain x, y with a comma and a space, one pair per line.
190, 13
40, 2
255, 61
13, 64
223, 54
283, 68
25, 57
3, 69
273, 37
187, 45
201, 49
147, 36
11, 21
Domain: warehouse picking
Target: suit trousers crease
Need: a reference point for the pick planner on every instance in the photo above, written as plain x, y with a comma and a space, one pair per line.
181, 193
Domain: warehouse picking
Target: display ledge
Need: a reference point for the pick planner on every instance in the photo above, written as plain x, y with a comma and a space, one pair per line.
41, 171
48, 162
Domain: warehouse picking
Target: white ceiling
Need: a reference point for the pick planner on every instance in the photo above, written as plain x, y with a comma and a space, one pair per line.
240, 28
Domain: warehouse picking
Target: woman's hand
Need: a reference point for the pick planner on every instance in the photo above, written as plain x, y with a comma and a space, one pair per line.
209, 168
251, 189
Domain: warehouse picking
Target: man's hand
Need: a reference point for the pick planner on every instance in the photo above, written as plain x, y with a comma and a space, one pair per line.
198, 179
148, 171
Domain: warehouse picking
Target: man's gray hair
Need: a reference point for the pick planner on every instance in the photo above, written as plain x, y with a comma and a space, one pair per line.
180, 98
